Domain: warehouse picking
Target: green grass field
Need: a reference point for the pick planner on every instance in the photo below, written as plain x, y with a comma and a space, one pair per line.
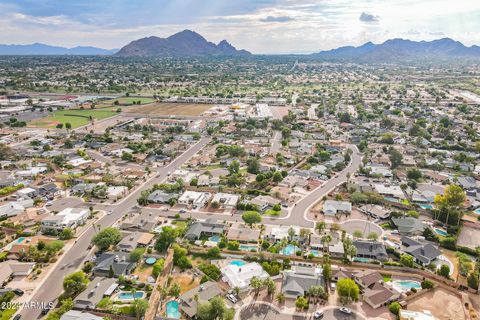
77, 118
131, 100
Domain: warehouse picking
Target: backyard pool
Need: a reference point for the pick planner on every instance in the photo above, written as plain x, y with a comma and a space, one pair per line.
289, 250
426, 206
477, 211
172, 310
392, 199
215, 238
407, 285
150, 261
16, 241
130, 296
316, 253
364, 260
238, 263
441, 232
248, 247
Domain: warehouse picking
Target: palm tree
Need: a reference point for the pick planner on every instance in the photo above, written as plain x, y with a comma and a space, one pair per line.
320, 226
256, 284
280, 297
271, 288
237, 291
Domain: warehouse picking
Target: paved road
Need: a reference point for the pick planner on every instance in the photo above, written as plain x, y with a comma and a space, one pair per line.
301, 208
276, 143
52, 287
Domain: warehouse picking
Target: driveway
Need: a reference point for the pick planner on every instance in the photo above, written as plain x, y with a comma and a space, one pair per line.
365, 227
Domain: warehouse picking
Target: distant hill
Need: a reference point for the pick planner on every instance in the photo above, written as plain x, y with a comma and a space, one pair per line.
400, 49
44, 49
185, 43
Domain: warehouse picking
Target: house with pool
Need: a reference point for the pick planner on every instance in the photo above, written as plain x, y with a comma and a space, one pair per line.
375, 292
239, 275
209, 227
371, 250
190, 300
96, 290
424, 252
409, 226
242, 234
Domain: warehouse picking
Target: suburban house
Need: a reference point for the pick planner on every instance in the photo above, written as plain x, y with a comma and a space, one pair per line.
370, 250
96, 290
375, 293
144, 221
79, 315
264, 202
10, 269
277, 233
194, 198
67, 218
240, 276
116, 262
11, 209
297, 282
208, 227
226, 200
190, 300
409, 225
332, 207
423, 252
242, 234
375, 211
159, 196
133, 240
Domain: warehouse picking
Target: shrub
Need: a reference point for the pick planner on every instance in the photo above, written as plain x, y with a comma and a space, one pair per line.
394, 308
427, 284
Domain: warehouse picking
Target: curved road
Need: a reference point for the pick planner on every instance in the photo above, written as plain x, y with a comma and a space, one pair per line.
74, 257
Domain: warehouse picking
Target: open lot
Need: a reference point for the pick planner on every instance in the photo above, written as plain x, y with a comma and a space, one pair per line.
167, 109
77, 118
442, 304
469, 237
130, 100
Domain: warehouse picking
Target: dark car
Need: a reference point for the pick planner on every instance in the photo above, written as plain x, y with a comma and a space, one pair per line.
18, 292
45, 311
17, 317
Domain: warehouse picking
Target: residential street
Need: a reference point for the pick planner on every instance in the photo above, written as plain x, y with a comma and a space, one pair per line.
52, 286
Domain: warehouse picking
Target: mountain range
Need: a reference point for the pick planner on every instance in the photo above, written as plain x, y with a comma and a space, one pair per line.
400, 49
44, 49
190, 43
184, 43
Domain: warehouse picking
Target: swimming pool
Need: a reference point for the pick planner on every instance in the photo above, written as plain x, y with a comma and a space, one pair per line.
16, 241
477, 211
360, 259
426, 206
316, 253
130, 296
289, 250
407, 285
441, 232
392, 199
215, 238
248, 247
150, 260
238, 263
172, 310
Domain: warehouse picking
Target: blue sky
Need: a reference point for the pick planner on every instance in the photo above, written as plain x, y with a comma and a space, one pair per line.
261, 26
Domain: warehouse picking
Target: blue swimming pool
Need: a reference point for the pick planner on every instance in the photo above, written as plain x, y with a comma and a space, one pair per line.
426, 206
364, 260
407, 285
477, 211
172, 310
316, 253
248, 247
392, 199
441, 232
215, 238
129, 296
289, 250
16, 241
238, 263
150, 260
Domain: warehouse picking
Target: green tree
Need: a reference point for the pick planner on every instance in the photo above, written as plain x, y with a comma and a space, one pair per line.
444, 271
472, 280
215, 309
127, 156
158, 267
137, 254
66, 234
347, 290
106, 238
253, 166
406, 260
75, 283
166, 238
396, 158
174, 290
214, 253
320, 226
256, 284
373, 236
271, 287
251, 217
140, 306
394, 308
301, 303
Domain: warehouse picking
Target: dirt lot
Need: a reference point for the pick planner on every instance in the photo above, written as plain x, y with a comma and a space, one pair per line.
441, 303
469, 237
167, 109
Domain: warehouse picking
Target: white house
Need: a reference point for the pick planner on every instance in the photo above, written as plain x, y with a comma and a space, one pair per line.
240, 276
332, 207
226, 200
116, 192
67, 218
197, 199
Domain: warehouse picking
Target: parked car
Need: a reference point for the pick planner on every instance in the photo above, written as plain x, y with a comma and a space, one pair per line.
346, 310
18, 292
17, 317
232, 298
318, 315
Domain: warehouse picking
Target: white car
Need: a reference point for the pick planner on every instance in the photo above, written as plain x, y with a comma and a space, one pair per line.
346, 310
232, 298
318, 315
110, 212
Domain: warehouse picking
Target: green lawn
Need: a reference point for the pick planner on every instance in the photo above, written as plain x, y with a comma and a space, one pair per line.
131, 100
7, 314
387, 278
77, 118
